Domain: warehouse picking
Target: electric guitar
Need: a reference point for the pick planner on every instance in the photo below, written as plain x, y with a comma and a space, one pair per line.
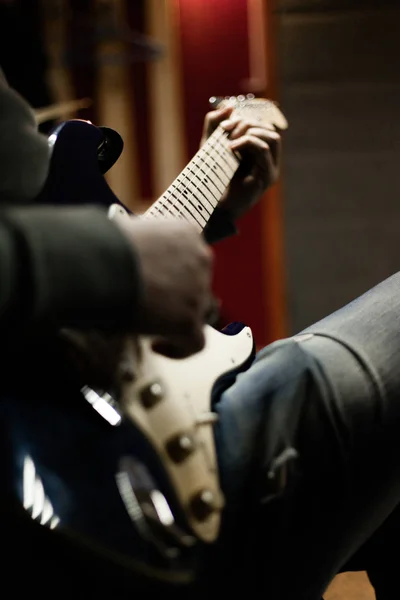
132, 470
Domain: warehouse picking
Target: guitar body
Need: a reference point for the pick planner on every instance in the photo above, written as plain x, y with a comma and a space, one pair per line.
80, 154
135, 476
97, 474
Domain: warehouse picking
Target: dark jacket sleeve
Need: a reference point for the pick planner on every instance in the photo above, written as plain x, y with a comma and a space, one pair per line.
58, 266
24, 160
65, 267
24, 152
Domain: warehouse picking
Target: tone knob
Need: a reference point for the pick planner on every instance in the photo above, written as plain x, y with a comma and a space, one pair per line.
151, 394
203, 505
180, 447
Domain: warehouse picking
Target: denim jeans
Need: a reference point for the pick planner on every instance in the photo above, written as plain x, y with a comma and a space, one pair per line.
309, 451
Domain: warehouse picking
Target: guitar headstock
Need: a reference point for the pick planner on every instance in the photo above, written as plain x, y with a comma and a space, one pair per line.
250, 107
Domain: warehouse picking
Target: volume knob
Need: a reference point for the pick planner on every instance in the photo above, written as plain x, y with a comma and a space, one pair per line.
180, 447
203, 504
151, 394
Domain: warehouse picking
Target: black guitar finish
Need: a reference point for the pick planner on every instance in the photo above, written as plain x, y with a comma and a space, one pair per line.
81, 154
78, 466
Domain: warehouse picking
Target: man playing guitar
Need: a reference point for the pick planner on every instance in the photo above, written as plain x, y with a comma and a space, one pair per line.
307, 439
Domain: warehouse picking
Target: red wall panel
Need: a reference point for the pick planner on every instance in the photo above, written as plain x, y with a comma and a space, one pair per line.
215, 61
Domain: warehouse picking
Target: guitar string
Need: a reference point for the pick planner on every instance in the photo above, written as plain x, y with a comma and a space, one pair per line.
211, 143
216, 138
161, 203
201, 163
174, 205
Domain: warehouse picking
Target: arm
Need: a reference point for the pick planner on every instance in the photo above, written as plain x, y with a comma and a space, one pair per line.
24, 153
42, 284
94, 283
74, 268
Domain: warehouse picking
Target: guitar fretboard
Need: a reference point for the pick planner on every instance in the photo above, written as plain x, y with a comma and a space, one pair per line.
195, 193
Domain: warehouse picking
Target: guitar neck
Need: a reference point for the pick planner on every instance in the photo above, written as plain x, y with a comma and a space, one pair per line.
195, 193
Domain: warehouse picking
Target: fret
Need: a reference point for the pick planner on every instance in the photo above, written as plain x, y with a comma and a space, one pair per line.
230, 167
164, 208
157, 209
218, 174
207, 205
180, 215
190, 207
218, 169
176, 207
213, 191
227, 154
227, 157
196, 191
204, 179
213, 170
190, 196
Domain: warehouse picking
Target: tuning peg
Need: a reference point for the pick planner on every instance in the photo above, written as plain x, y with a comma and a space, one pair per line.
215, 100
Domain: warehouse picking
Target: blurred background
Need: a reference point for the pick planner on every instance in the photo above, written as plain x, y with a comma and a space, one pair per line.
329, 230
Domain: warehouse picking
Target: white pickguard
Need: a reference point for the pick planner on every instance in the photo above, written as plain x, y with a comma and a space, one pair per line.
183, 409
